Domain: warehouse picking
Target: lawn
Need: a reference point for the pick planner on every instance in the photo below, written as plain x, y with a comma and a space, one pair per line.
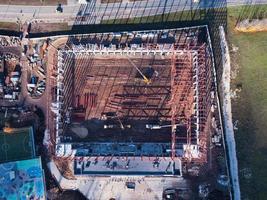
250, 105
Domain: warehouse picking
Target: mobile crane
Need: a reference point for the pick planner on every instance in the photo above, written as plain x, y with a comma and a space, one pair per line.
146, 80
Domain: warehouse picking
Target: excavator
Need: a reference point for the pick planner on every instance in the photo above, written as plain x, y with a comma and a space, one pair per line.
145, 79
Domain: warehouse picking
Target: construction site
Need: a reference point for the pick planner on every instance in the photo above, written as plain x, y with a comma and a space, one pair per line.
137, 103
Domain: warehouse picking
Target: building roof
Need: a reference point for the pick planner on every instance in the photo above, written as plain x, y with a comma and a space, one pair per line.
22, 180
16, 144
127, 165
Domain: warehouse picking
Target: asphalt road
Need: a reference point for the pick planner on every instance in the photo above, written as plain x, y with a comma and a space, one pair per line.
95, 11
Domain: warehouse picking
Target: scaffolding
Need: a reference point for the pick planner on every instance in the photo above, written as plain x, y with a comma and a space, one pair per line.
133, 50
191, 86
182, 86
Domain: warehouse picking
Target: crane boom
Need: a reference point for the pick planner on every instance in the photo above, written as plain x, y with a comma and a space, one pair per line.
155, 126
146, 80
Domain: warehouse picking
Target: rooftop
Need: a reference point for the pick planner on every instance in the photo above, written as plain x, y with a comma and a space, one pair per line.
22, 180
129, 166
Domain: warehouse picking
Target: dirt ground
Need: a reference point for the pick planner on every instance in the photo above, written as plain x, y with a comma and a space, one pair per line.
9, 26
252, 26
34, 2
48, 27
82, 132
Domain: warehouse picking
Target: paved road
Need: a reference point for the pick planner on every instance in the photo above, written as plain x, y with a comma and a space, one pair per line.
95, 11
25, 97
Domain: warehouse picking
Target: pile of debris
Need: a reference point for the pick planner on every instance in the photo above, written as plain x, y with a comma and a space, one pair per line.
251, 26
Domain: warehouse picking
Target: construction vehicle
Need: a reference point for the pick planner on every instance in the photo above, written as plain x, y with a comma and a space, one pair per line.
112, 115
146, 80
170, 194
130, 185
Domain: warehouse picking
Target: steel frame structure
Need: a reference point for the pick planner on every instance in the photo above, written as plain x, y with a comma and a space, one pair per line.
189, 98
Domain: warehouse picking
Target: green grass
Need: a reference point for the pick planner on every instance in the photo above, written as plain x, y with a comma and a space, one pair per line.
250, 108
20, 145
249, 12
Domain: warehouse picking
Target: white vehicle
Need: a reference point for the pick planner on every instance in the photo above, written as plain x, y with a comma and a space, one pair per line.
41, 88
138, 35
41, 73
144, 36
117, 35
41, 69
42, 83
39, 92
